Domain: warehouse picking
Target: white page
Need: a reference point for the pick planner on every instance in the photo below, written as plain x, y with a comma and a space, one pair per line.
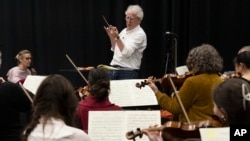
124, 93
215, 134
181, 70
32, 82
113, 125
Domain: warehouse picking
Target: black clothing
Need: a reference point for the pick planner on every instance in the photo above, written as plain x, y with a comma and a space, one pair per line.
15, 109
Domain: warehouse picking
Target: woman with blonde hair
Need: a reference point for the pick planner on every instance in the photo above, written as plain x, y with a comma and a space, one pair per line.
19, 73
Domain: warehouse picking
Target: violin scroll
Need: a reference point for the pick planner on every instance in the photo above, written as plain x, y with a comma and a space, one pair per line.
145, 82
82, 92
141, 84
131, 135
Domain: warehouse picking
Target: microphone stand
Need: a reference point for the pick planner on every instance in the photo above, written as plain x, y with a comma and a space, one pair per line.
173, 51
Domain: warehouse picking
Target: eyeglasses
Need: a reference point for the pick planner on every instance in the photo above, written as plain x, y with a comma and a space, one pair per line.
28, 58
130, 18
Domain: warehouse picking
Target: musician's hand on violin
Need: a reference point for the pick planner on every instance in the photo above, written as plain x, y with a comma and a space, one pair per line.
153, 135
2, 80
224, 77
83, 91
151, 84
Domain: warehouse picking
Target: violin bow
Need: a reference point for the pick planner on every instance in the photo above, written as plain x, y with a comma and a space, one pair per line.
70, 60
26, 92
179, 99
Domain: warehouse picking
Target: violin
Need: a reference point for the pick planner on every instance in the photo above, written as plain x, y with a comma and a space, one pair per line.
1, 80
82, 92
178, 80
177, 129
230, 74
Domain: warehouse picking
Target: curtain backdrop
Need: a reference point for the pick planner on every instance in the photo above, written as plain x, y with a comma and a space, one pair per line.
50, 29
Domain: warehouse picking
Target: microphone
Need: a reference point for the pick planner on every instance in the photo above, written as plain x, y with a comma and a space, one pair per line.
168, 33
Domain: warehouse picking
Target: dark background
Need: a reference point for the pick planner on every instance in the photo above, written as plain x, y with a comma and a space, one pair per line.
50, 29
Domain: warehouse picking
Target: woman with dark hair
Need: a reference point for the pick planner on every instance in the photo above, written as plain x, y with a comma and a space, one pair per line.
54, 110
242, 65
98, 96
196, 92
232, 102
15, 109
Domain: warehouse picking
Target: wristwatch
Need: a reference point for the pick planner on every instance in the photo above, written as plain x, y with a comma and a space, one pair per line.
116, 38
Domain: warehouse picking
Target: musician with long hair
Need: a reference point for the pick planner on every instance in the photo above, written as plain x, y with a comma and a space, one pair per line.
53, 112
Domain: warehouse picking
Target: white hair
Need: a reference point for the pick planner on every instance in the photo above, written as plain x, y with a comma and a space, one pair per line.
136, 9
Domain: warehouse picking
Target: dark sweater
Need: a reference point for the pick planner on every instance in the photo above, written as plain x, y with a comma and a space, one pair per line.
15, 108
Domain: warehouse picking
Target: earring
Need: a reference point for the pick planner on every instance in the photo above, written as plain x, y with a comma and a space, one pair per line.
223, 117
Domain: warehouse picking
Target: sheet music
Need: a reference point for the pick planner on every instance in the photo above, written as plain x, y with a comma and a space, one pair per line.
32, 82
181, 70
215, 134
124, 93
115, 124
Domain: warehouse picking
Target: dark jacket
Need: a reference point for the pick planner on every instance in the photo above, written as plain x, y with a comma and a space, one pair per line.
15, 109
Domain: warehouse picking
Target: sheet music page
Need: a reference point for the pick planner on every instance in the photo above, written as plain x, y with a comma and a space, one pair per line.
181, 70
124, 93
215, 134
32, 82
115, 124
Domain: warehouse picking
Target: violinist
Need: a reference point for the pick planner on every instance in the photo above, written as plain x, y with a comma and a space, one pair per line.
242, 65
239, 61
53, 112
98, 96
19, 73
234, 91
196, 91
